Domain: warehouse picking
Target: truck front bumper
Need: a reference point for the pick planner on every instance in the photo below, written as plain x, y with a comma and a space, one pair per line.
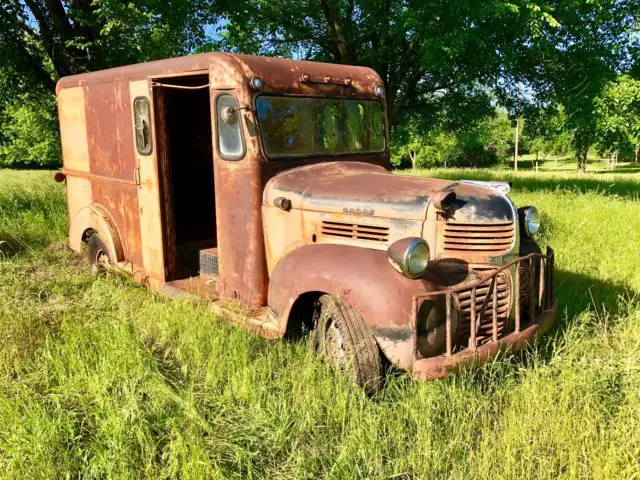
541, 312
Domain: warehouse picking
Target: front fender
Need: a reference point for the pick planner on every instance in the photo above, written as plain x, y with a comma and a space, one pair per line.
362, 277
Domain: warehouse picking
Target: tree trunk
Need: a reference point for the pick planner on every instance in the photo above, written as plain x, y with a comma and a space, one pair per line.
582, 166
412, 156
637, 152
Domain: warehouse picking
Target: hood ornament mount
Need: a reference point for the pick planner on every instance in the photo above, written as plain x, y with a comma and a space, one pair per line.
445, 203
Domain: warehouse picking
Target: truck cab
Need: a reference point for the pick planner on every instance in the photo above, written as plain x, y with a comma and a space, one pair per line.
263, 185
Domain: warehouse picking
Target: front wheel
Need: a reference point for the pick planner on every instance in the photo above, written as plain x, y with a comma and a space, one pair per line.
341, 337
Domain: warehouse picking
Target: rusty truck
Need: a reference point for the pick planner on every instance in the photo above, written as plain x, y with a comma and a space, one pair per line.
263, 186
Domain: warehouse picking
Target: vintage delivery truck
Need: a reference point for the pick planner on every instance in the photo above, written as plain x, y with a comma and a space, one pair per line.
262, 184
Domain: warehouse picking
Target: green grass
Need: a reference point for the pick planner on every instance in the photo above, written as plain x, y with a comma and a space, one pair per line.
103, 378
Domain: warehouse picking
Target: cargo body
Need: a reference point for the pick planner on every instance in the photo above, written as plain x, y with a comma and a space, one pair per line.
262, 185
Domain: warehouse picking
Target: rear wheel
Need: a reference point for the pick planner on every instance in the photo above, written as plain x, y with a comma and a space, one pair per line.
340, 336
97, 254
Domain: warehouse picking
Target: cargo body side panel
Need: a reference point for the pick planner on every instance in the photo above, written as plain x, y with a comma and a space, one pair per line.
112, 160
75, 148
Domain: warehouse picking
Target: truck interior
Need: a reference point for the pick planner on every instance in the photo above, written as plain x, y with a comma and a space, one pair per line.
185, 158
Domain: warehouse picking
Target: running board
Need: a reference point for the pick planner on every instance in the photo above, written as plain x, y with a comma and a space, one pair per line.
255, 320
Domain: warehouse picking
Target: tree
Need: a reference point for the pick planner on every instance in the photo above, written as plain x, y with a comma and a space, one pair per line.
545, 131
30, 132
43, 40
423, 50
618, 115
571, 63
479, 143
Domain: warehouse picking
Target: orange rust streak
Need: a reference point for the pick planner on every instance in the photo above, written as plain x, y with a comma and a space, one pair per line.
93, 176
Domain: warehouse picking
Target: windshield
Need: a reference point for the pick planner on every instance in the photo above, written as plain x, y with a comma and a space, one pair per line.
306, 126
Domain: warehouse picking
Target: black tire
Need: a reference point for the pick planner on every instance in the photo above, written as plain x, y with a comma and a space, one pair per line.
340, 336
527, 247
97, 254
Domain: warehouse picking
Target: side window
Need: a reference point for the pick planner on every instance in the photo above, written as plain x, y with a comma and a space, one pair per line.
142, 124
229, 125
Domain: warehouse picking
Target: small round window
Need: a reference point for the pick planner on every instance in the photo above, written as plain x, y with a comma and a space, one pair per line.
229, 125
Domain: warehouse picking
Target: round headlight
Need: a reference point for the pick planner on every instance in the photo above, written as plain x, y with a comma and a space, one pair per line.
532, 221
410, 256
417, 259
256, 83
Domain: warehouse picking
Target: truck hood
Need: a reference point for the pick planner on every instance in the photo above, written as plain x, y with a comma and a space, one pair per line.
364, 189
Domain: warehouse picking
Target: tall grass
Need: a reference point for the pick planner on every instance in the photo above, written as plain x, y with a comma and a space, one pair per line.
103, 378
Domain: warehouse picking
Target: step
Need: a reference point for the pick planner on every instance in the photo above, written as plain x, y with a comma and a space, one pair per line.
209, 263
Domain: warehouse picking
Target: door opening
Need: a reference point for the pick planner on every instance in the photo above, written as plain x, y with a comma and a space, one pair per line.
185, 157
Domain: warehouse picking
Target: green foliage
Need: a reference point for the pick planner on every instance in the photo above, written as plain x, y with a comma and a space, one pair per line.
438, 148
41, 41
618, 112
484, 142
103, 378
46, 40
423, 51
30, 133
570, 65
545, 131
445, 64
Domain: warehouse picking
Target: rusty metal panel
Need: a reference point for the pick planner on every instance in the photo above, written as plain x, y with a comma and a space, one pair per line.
238, 190
490, 239
283, 232
366, 280
73, 129
305, 77
279, 75
332, 187
148, 193
110, 133
79, 194
120, 199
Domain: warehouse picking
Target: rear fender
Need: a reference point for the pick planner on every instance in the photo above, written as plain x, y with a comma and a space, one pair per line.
362, 277
96, 217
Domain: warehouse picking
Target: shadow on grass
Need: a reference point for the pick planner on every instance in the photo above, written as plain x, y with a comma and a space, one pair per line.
630, 168
577, 293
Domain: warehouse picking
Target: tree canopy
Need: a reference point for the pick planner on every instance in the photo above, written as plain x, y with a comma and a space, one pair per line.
446, 64
425, 51
618, 115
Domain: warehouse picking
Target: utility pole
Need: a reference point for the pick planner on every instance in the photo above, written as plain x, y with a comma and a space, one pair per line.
515, 152
515, 156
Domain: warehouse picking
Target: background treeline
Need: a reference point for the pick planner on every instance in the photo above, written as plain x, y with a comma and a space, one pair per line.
457, 72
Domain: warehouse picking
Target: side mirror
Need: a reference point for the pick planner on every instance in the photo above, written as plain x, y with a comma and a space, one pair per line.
229, 115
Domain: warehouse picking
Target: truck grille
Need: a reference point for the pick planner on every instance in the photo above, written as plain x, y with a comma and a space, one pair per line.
486, 239
352, 230
485, 325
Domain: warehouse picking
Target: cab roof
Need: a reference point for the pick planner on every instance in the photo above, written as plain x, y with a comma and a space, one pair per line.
278, 74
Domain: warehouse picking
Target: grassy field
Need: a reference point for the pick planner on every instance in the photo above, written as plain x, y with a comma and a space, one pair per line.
103, 378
